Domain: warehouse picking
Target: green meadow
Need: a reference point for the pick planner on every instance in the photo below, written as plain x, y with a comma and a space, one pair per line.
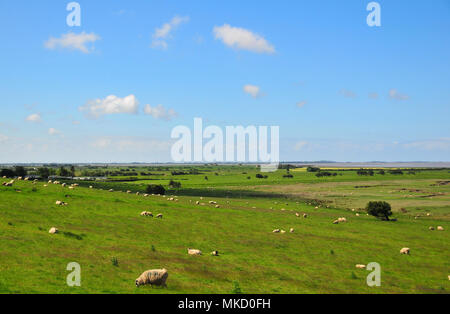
104, 233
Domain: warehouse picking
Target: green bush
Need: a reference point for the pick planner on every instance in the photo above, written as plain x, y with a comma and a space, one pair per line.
381, 210
155, 189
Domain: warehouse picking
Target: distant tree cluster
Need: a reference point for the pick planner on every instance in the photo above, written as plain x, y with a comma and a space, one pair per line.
174, 184
325, 174
155, 189
17, 171
362, 172
312, 169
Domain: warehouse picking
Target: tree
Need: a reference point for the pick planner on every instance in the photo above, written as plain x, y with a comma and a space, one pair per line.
156, 189
381, 210
9, 173
63, 172
44, 172
20, 171
72, 171
174, 184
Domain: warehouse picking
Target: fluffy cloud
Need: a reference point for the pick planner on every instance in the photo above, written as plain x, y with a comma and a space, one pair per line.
72, 41
394, 94
35, 117
110, 105
162, 33
347, 93
240, 38
301, 104
159, 112
53, 131
253, 90
442, 144
3, 138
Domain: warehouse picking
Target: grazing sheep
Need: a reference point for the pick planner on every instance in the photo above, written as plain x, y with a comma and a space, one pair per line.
215, 253
305, 215
26, 179
431, 228
360, 266
197, 203
91, 187
4, 177
405, 250
336, 222
291, 230
212, 202
111, 190
282, 231
159, 216
137, 193
155, 277
145, 195
276, 231
194, 252
60, 203
217, 206
128, 192
357, 215
297, 214
439, 228
19, 178
53, 230
342, 219
147, 214
71, 187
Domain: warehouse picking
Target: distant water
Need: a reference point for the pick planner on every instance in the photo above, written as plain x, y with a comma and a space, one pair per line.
379, 164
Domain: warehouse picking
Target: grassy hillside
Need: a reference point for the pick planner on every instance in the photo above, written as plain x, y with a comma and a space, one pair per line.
319, 257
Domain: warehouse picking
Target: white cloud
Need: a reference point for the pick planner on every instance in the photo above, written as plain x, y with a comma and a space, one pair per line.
300, 145
35, 117
159, 112
53, 131
110, 105
240, 38
3, 138
430, 145
253, 90
347, 93
72, 41
301, 104
394, 94
162, 33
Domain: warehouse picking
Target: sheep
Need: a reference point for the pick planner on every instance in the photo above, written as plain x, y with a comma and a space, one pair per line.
194, 252
405, 250
154, 277
291, 230
276, 231
342, 219
128, 192
197, 203
147, 214
305, 215
336, 222
60, 203
431, 228
71, 187
282, 231
4, 177
53, 230
212, 203
159, 216
111, 190
26, 179
215, 253
440, 228
91, 187
19, 178
217, 206
360, 266
297, 214
137, 193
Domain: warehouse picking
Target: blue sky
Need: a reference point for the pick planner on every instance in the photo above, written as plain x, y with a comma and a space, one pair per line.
339, 89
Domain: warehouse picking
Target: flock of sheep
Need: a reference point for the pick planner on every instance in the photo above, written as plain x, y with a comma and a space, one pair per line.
158, 277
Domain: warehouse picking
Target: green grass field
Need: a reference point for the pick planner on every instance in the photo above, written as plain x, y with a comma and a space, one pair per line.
319, 257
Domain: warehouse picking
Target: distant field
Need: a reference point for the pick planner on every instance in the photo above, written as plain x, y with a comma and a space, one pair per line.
319, 257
